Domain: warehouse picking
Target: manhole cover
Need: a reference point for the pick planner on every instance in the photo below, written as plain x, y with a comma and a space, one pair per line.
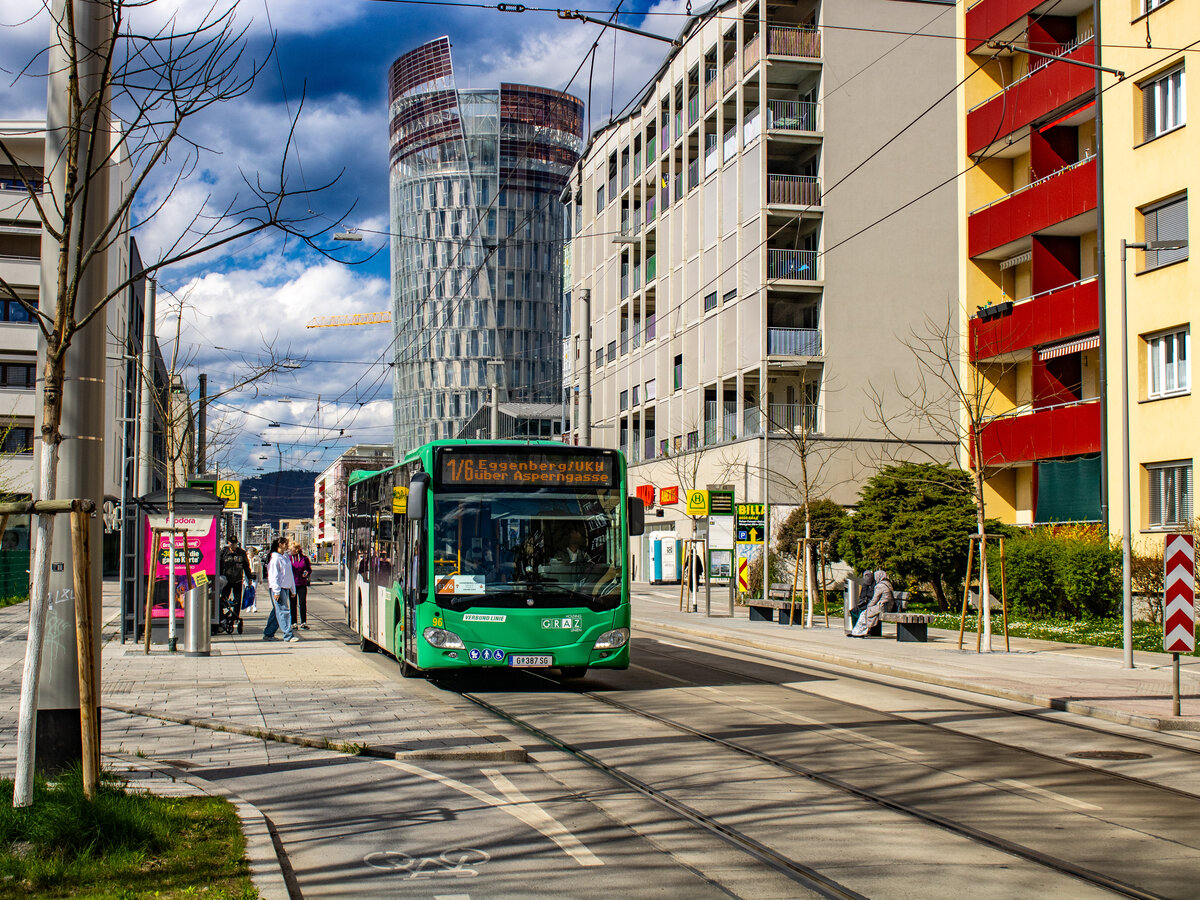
1108, 754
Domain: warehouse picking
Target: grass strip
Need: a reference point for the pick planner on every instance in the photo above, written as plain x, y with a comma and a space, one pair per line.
125, 844
1147, 636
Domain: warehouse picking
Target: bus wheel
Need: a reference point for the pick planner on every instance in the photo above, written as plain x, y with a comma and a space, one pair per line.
365, 646
573, 671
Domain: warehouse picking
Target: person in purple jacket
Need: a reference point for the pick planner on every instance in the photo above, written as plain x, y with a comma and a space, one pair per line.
301, 571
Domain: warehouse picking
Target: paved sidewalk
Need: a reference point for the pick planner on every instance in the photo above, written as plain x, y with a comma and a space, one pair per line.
1072, 677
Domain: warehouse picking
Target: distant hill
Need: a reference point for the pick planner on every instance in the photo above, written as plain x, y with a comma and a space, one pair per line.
279, 495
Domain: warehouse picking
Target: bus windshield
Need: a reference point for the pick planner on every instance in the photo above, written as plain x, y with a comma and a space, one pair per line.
543, 549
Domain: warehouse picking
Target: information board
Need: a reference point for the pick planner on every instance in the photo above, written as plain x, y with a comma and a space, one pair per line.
720, 503
750, 523
498, 468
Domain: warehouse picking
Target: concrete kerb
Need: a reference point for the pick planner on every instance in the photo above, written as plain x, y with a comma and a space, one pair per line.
1150, 723
493, 752
262, 850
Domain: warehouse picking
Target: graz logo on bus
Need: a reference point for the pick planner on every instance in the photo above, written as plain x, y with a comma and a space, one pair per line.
563, 623
193, 556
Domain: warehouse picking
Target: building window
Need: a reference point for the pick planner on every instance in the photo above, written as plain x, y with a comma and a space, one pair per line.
730, 296
1150, 5
17, 375
710, 301
1167, 356
677, 373
1163, 104
599, 198
624, 400
693, 440
1170, 495
599, 357
612, 350
650, 389
17, 439
1166, 222
12, 311
636, 399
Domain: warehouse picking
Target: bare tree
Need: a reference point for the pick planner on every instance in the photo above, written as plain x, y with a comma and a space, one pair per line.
178, 412
120, 97
816, 454
952, 400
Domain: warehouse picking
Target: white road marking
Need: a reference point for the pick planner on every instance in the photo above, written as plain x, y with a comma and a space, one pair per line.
844, 734
451, 897
522, 809
1048, 795
543, 821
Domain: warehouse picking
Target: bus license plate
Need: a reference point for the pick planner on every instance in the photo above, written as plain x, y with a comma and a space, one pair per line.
531, 661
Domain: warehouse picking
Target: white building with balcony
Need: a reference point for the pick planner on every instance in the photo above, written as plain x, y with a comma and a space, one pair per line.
760, 233
329, 495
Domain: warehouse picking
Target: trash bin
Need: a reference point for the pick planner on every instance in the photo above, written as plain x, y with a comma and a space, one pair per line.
197, 622
848, 604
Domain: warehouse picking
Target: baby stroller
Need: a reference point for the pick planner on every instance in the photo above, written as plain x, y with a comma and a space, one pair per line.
229, 612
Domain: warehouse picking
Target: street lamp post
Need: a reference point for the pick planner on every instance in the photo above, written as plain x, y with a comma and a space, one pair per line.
1126, 475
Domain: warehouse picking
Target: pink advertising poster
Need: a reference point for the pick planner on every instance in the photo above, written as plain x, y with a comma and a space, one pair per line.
201, 543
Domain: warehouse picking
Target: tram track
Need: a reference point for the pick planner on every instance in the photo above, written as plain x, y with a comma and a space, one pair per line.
784, 661
796, 870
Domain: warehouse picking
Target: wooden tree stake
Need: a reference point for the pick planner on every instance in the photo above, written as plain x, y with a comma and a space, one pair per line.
89, 677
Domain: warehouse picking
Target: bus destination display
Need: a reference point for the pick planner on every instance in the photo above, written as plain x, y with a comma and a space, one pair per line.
483, 468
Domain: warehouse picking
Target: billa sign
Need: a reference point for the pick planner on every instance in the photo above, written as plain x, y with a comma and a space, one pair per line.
668, 496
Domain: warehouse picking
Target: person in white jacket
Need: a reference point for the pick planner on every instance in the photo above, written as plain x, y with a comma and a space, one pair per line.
283, 588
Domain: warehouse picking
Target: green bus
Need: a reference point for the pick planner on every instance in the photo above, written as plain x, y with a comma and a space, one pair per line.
485, 553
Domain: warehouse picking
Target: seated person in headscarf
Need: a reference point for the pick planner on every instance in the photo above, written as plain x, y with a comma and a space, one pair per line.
866, 591
881, 601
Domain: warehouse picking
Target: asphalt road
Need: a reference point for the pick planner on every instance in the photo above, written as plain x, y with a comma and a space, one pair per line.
733, 774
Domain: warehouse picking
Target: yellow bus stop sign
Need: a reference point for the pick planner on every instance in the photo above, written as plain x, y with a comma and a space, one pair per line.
230, 492
399, 501
697, 503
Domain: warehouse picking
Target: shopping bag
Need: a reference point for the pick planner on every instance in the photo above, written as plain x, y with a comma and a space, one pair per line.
248, 595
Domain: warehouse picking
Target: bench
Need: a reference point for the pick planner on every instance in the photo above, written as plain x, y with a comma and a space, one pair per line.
909, 626
780, 599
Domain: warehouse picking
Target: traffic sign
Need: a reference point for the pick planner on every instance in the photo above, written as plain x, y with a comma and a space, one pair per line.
743, 574
230, 492
1179, 584
697, 503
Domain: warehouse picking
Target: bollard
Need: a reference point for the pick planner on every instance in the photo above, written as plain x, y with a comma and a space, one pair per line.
197, 622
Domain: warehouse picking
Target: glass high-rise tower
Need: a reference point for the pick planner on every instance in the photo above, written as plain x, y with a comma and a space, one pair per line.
477, 231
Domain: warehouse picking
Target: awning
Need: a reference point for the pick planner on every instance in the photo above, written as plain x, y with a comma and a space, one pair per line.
1016, 260
1087, 343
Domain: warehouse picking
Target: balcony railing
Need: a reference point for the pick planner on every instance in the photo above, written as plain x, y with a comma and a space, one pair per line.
650, 152
789, 40
651, 209
710, 430
793, 341
624, 176
637, 334
729, 144
751, 421
794, 190
664, 135
678, 184
1083, 162
712, 156
649, 447
693, 109
665, 196
750, 54
712, 92
637, 276
796, 418
792, 115
693, 173
651, 267
729, 75
624, 285
751, 126
792, 265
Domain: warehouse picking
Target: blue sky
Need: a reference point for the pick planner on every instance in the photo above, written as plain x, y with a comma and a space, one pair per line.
262, 293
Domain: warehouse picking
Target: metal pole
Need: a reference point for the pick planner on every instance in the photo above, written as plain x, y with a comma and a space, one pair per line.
1126, 513
245, 518
1175, 690
494, 423
202, 427
145, 451
585, 387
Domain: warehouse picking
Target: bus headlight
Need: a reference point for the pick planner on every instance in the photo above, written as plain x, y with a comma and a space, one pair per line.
611, 640
443, 639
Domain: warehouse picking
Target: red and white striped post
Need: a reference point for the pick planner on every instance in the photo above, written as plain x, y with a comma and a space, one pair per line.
1179, 610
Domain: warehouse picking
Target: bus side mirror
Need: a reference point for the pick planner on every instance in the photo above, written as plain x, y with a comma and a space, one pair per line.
637, 516
417, 497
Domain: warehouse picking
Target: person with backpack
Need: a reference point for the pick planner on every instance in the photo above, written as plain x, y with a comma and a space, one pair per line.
235, 566
301, 572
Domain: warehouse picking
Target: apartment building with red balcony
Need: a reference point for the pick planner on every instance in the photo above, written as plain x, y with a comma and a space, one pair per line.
1030, 224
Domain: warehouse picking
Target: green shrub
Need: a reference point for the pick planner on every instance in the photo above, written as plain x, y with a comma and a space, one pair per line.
1089, 572
1029, 569
1071, 572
